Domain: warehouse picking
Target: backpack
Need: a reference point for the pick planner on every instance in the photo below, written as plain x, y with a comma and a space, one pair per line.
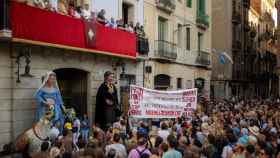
142, 154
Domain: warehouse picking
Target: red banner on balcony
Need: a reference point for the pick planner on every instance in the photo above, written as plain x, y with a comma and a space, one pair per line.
39, 25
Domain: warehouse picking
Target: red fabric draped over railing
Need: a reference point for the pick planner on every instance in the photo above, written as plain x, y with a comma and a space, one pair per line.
35, 24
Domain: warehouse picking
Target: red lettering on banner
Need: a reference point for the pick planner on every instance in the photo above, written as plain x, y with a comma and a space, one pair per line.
135, 112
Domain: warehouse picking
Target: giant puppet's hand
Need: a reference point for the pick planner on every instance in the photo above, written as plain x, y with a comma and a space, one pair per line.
109, 102
63, 109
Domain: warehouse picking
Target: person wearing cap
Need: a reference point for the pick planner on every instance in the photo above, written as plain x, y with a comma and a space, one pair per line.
107, 102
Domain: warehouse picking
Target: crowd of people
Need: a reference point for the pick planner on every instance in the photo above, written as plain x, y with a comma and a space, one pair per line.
224, 129
68, 8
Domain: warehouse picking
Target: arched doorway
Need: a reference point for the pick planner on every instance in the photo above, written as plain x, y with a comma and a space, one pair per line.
73, 88
162, 82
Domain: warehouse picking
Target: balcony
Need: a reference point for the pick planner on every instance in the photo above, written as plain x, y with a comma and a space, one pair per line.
142, 45
236, 18
236, 45
166, 5
203, 58
41, 27
165, 51
246, 3
202, 20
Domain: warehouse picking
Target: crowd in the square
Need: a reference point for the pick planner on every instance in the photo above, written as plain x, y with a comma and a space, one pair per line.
224, 129
68, 8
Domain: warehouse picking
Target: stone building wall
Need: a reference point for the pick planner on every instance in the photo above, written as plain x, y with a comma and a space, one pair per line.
17, 104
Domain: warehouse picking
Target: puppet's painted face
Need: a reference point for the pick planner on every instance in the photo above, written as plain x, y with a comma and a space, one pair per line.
51, 80
110, 78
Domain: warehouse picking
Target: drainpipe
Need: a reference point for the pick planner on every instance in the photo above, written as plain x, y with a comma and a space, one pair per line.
6, 35
12, 92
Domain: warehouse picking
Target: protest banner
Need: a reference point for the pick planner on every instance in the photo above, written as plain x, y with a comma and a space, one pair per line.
148, 103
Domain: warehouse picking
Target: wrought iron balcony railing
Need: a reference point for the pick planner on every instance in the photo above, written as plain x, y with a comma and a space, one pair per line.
142, 45
165, 50
166, 5
203, 58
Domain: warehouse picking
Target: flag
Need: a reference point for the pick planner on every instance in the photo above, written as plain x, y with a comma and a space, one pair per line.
222, 59
90, 33
228, 57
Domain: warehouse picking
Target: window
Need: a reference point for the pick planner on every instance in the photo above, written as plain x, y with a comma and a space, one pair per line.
200, 41
179, 36
189, 3
188, 38
189, 84
127, 13
179, 83
162, 29
201, 6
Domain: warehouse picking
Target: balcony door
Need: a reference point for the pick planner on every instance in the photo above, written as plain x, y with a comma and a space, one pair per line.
201, 6
200, 41
127, 13
162, 29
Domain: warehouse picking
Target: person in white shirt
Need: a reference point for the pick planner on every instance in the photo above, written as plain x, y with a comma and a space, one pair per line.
76, 131
54, 133
53, 5
86, 13
163, 132
112, 23
39, 4
118, 147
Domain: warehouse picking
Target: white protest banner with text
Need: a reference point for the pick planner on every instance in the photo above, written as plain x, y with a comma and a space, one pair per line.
147, 103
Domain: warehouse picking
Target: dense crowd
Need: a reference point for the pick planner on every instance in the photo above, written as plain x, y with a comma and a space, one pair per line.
221, 129
69, 8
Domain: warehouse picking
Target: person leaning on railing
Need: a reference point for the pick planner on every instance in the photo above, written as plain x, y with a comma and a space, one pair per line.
101, 17
62, 9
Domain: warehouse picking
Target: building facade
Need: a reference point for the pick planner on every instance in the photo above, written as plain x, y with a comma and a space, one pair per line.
251, 72
263, 39
26, 55
179, 33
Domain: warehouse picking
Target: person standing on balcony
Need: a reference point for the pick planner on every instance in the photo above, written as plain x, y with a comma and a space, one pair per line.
53, 5
137, 28
112, 23
101, 17
86, 13
62, 7
71, 9
107, 102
